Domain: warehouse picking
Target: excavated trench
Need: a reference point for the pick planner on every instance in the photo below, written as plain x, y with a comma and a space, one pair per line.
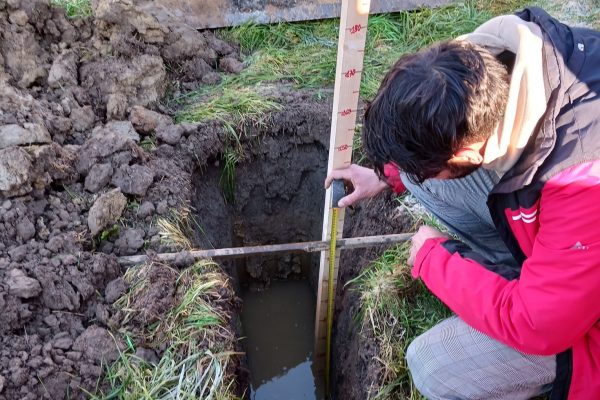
276, 197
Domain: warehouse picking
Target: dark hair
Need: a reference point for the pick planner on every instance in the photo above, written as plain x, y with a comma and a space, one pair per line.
432, 103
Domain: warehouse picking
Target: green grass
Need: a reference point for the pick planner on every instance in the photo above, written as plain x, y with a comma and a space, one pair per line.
75, 8
231, 158
195, 334
394, 309
233, 106
304, 54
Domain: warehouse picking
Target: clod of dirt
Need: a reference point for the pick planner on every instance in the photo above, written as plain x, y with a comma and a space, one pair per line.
133, 179
53, 164
23, 54
212, 78
63, 72
141, 83
124, 16
110, 147
231, 65
114, 290
146, 209
22, 286
82, 118
15, 167
130, 241
170, 134
117, 128
98, 177
15, 135
98, 345
18, 17
25, 229
157, 296
148, 355
106, 210
147, 121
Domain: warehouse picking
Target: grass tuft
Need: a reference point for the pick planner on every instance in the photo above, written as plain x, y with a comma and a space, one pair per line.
176, 229
195, 334
75, 8
231, 158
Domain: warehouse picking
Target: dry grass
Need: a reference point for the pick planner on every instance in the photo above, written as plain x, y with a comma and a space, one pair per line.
176, 229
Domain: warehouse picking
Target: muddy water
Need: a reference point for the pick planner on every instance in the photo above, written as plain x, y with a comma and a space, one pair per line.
279, 329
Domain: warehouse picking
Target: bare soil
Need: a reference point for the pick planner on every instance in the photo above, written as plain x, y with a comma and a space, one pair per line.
77, 97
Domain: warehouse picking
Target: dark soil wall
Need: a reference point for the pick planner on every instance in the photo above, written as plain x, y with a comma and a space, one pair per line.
277, 197
354, 364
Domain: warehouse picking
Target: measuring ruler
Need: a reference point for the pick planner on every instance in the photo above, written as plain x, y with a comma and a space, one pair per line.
351, 47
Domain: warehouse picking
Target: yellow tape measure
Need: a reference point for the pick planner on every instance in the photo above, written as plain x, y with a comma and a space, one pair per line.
330, 295
338, 190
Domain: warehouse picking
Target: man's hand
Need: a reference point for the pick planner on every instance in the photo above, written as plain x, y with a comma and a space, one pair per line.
425, 232
364, 181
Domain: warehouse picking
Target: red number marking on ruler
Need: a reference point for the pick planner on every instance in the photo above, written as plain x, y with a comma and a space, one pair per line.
343, 147
356, 28
351, 72
346, 112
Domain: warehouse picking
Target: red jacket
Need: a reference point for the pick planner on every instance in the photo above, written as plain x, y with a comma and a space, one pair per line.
547, 210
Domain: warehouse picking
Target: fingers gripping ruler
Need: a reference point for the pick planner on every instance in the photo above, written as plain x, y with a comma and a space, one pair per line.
351, 45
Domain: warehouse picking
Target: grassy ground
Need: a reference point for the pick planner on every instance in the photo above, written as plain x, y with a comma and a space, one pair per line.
195, 335
395, 309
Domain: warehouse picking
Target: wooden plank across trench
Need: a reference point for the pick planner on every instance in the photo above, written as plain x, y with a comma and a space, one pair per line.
351, 45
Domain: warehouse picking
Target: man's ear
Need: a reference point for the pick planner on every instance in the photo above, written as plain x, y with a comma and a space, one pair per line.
466, 155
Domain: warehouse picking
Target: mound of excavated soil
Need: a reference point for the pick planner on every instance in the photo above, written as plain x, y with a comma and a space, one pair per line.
76, 188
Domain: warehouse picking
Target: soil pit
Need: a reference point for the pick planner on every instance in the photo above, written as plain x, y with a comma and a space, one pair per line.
277, 197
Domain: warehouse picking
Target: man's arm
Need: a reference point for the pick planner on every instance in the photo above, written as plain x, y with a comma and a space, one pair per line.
555, 300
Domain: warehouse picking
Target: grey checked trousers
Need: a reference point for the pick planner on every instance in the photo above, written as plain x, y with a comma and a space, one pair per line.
453, 361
